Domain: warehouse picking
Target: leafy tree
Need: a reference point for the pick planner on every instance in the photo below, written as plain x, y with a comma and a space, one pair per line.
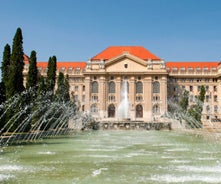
32, 71
51, 73
15, 77
6, 63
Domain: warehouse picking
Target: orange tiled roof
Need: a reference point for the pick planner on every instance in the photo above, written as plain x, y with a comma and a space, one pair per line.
25, 57
114, 51
187, 65
60, 64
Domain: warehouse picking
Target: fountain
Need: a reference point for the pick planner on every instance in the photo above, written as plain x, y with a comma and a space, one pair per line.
123, 108
101, 156
41, 118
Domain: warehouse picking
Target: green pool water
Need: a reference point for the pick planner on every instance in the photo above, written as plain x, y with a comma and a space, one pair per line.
109, 157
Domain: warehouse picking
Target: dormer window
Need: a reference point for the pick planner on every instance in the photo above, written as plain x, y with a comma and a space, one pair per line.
190, 69
182, 69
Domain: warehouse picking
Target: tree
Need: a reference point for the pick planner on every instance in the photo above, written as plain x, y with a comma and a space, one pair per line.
6, 63
66, 89
32, 71
195, 111
62, 92
2, 93
184, 102
60, 88
15, 77
51, 73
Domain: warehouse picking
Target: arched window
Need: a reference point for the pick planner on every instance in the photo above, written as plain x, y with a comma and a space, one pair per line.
111, 87
111, 111
139, 87
94, 108
156, 87
156, 109
94, 87
139, 111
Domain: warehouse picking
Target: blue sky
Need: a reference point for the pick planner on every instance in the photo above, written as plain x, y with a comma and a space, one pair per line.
76, 30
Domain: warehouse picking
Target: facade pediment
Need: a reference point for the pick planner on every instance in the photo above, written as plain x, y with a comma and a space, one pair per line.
125, 63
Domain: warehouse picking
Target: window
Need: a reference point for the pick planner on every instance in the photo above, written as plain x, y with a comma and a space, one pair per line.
207, 88
207, 98
139, 98
214, 80
215, 98
156, 109
214, 88
191, 88
156, 87
111, 87
94, 98
94, 87
215, 108
156, 98
125, 65
75, 97
94, 108
83, 88
208, 109
111, 98
139, 87
76, 88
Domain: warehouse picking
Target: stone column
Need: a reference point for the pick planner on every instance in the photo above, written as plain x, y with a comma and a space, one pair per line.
102, 97
163, 95
117, 92
87, 93
131, 83
147, 98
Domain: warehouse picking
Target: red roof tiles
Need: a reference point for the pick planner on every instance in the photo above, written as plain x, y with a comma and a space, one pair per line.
114, 51
72, 64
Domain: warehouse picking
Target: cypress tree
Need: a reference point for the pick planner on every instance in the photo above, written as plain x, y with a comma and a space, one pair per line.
2, 93
15, 78
67, 89
62, 92
51, 73
32, 71
6, 63
60, 87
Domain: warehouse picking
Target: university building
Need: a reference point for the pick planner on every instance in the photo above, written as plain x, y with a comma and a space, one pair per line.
152, 83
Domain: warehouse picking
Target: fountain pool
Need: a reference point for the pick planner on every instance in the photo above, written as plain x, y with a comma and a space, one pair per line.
113, 157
